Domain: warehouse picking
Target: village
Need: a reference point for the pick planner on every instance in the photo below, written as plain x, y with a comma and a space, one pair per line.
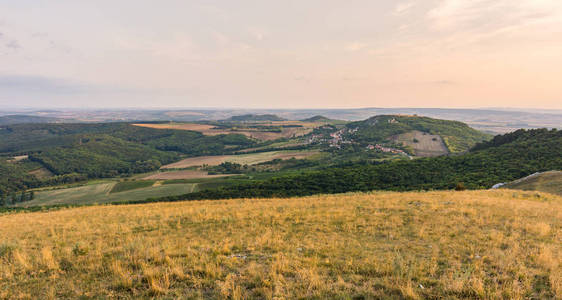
338, 139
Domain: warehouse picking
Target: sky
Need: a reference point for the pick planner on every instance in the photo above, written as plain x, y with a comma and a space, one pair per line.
281, 54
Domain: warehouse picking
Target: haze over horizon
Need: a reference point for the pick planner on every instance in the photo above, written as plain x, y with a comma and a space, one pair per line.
290, 54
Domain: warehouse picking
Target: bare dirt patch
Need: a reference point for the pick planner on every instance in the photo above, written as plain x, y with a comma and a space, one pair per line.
18, 158
424, 144
41, 173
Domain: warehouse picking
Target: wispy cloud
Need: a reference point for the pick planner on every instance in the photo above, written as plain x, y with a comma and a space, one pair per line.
13, 44
355, 46
491, 14
403, 8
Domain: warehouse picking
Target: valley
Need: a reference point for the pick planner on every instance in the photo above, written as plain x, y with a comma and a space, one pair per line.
183, 161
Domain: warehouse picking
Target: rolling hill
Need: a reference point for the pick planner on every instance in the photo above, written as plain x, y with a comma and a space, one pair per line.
504, 158
79, 151
549, 182
456, 136
319, 118
437, 245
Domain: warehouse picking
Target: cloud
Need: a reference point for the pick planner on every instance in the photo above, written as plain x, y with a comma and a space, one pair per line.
443, 82
258, 34
491, 14
13, 44
403, 8
355, 46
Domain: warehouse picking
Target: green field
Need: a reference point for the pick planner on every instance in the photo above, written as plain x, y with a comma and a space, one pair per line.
131, 185
102, 193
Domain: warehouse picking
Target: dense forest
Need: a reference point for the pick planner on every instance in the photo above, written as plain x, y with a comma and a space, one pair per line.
502, 159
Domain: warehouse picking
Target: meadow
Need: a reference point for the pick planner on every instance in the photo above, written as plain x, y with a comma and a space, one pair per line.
472, 244
106, 192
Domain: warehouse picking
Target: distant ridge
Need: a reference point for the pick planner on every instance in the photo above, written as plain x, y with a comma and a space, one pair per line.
254, 118
20, 119
318, 118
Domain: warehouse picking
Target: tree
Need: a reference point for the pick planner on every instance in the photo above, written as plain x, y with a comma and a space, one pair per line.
460, 187
13, 198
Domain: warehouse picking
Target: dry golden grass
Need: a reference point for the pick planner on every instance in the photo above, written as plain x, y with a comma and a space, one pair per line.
473, 244
243, 159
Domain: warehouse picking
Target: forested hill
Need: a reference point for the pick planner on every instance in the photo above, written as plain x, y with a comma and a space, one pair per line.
457, 136
318, 118
527, 152
78, 151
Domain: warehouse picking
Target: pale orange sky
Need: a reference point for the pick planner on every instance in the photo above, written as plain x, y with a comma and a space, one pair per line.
281, 54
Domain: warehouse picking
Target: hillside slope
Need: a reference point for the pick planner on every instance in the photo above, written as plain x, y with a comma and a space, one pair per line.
549, 182
521, 153
80, 151
457, 136
454, 245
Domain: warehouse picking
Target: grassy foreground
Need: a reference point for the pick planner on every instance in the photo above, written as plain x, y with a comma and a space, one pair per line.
473, 244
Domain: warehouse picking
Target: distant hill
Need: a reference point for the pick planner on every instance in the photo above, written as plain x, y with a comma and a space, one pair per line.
318, 118
254, 118
549, 182
456, 136
20, 119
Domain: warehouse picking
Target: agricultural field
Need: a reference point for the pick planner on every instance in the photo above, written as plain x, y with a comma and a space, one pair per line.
183, 174
423, 144
107, 192
549, 182
301, 128
18, 158
41, 173
498, 244
243, 159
